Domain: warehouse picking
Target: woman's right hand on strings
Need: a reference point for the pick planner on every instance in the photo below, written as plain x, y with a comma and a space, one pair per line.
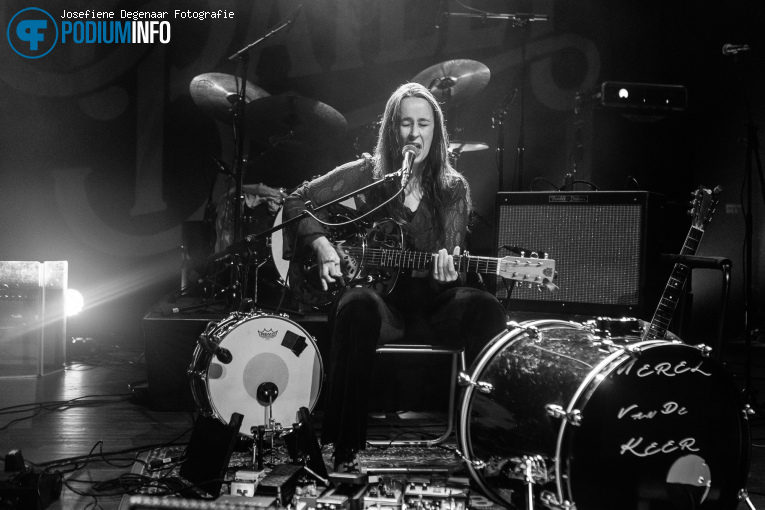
327, 261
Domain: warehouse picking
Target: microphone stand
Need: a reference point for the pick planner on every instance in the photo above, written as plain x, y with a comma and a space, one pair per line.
243, 55
522, 119
498, 119
243, 245
239, 114
752, 149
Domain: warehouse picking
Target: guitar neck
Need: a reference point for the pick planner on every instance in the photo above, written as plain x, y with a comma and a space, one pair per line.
674, 289
423, 260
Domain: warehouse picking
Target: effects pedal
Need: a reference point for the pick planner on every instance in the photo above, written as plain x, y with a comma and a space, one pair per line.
280, 482
245, 482
306, 495
383, 494
342, 497
421, 494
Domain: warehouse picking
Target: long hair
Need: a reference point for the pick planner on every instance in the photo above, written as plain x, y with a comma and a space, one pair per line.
439, 180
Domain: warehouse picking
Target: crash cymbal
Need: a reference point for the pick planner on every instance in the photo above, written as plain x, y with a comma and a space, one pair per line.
454, 79
466, 146
216, 93
294, 120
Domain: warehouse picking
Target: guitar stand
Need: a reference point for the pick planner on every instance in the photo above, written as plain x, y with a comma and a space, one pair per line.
722, 264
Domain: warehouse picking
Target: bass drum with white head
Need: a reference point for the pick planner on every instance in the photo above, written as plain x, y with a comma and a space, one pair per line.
270, 355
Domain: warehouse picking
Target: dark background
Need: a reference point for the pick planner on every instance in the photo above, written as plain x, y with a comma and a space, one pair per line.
103, 154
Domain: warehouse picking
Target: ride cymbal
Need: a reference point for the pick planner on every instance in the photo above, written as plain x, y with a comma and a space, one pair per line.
216, 94
454, 79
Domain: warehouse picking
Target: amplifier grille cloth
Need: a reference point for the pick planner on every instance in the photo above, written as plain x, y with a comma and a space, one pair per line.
597, 249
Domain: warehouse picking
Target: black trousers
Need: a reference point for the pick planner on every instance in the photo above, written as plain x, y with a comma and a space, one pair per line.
415, 312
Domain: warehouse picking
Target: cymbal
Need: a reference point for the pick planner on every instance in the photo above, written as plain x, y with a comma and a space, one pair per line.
291, 120
454, 79
461, 146
216, 93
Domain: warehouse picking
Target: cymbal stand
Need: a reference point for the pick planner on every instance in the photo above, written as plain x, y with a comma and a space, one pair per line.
498, 121
520, 20
750, 310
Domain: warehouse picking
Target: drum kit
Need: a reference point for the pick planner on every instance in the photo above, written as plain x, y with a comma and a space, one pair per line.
564, 411
297, 124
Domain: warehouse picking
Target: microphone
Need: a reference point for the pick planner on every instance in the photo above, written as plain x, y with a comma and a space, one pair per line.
223, 355
733, 49
410, 153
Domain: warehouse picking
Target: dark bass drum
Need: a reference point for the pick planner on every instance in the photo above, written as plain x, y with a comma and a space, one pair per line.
598, 425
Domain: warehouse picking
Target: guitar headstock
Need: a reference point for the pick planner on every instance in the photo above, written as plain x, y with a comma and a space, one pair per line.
529, 270
703, 205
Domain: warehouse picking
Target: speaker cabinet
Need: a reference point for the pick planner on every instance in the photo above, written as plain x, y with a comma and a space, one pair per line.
600, 241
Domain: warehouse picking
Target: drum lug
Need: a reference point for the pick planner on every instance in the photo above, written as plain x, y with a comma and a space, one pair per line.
195, 373
705, 350
634, 351
532, 331
574, 417
609, 346
482, 387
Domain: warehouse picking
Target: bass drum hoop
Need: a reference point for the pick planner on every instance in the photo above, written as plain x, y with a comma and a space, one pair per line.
506, 338
198, 371
200, 362
590, 386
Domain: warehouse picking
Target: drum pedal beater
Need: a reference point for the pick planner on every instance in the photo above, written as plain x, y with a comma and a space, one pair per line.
267, 391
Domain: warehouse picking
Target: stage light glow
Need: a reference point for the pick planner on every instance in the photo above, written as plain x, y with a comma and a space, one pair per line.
74, 302
624, 93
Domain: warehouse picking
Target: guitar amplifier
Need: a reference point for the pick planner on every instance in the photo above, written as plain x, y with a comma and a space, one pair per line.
604, 246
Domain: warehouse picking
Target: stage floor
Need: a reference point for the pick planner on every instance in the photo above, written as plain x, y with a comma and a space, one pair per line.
71, 417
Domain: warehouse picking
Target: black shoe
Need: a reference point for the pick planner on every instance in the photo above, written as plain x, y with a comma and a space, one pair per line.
346, 461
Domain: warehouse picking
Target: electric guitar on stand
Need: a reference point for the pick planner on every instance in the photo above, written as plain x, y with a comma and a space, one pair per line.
373, 255
702, 208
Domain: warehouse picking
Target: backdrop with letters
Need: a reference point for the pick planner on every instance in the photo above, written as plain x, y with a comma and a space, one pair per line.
103, 153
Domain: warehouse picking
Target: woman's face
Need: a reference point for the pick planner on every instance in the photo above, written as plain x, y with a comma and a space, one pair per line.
416, 125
